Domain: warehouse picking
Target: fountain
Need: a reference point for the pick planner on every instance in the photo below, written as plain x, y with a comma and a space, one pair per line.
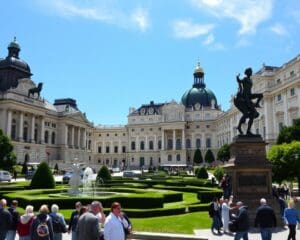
75, 180
87, 184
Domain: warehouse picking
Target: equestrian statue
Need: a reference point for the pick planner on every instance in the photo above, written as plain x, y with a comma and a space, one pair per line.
34, 90
243, 101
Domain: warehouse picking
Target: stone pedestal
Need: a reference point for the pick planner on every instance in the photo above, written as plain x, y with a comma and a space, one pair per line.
251, 174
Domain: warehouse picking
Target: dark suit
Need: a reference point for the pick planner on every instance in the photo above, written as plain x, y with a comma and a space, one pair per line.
5, 222
88, 227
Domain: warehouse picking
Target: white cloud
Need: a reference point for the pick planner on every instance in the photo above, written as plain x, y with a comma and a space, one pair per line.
249, 13
279, 29
209, 39
187, 29
96, 11
140, 17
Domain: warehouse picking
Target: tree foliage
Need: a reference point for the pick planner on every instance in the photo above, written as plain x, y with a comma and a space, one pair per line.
103, 174
209, 156
285, 159
289, 134
198, 156
202, 173
43, 177
224, 153
7, 156
219, 173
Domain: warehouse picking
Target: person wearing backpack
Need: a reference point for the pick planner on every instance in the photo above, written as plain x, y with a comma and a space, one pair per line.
41, 227
25, 222
58, 222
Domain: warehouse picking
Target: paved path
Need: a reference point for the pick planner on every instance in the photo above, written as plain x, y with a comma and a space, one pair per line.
278, 234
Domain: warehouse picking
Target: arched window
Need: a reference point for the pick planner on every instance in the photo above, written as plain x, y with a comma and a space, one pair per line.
142, 145
170, 143
132, 145
151, 145
14, 129
178, 157
25, 132
208, 142
188, 143
198, 143
53, 138
89, 144
178, 143
169, 157
46, 137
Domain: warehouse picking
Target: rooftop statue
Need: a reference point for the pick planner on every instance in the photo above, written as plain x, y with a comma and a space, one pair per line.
34, 90
243, 101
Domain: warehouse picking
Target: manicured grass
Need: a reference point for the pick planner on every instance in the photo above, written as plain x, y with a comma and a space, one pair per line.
184, 223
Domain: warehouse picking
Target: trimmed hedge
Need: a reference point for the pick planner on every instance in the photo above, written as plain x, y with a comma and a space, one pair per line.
207, 196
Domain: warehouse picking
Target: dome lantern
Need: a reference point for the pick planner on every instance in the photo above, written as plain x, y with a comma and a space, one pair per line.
199, 77
14, 48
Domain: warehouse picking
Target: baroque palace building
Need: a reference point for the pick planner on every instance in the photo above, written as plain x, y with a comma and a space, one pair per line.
156, 134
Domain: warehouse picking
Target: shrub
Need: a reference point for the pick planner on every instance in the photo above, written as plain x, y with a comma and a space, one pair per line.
219, 173
103, 175
202, 173
209, 156
207, 196
43, 178
198, 156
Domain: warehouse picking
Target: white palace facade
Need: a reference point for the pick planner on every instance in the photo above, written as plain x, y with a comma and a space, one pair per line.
156, 134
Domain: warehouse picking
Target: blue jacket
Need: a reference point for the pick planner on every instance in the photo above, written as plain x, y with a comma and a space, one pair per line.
291, 216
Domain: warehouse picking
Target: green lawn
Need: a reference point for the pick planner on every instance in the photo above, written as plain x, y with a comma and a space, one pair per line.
184, 223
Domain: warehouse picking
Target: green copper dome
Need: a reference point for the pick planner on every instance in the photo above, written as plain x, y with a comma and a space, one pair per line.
199, 95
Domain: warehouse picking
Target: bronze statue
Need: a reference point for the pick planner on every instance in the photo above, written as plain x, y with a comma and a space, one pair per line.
34, 90
243, 101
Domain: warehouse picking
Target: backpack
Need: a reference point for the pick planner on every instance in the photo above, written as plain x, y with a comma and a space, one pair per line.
42, 229
58, 227
211, 210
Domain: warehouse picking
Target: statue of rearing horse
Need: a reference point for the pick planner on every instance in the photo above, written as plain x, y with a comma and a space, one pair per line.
34, 90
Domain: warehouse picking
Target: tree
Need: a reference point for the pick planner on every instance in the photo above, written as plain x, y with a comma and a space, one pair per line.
289, 134
209, 156
198, 156
7, 156
103, 174
285, 159
224, 153
202, 173
43, 177
219, 173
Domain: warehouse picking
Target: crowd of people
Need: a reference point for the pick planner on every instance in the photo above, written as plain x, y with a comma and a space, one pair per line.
86, 222
232, 218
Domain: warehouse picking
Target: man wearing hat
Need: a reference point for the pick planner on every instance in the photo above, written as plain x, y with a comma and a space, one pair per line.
242, 221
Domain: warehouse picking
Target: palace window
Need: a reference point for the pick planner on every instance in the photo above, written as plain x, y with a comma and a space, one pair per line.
99, 149
188, 143
159, 144
107, 149
142, 145
151, 145
178, 143
170, 144
14, 129
132, 145
25, 131
198, 143
178, 157
116, 149
208, 142
46, 137
169, 158
292, 91
53, 138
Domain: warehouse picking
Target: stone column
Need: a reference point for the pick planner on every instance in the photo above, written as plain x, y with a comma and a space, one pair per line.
65, 136
183, 139
137, 141
32, 129
21, 122
174, 139
193, 141
155, 143
42, 133
120, 146
111, 150
78, 138
84, 139
146, 143
8, 126
103, 147
162, 140
72, 136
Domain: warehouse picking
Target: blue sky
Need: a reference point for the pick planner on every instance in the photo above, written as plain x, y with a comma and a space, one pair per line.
112, 55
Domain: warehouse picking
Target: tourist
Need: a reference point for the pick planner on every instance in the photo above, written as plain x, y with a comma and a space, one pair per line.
291, 218
225, 210
215, 214
242, 222
265, 219
41, 227
11, 234
74, 220
114, 224
126, 224
5, 219
88, 224
282, 205
25, 222
58, 222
